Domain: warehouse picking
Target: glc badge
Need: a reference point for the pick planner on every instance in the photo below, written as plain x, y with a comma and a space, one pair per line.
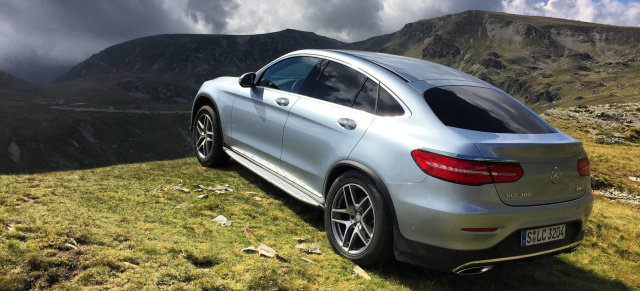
555, 175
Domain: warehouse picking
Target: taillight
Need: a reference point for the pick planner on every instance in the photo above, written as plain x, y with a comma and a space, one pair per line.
466, 171
584, 167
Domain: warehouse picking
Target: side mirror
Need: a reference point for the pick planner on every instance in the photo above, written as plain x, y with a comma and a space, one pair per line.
247, 79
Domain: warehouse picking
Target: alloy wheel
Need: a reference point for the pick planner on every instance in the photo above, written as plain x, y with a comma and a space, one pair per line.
353, 218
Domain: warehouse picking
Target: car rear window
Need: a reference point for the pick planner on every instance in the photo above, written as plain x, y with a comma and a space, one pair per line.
483, 109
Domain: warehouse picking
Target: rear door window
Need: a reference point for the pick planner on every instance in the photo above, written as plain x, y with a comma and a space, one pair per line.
483, 109
387, 105
338, 84
289, 74
366, 99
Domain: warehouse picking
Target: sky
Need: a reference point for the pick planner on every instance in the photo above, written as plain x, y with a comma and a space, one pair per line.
41, 39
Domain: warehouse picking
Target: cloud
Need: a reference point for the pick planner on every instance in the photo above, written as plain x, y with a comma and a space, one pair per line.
603, 11
63, 33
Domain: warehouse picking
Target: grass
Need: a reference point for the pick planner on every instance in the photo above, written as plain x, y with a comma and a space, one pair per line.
125, 227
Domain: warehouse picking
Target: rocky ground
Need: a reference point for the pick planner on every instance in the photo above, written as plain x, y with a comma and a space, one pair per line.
607, 124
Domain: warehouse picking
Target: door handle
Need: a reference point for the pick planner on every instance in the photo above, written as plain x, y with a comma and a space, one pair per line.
282, 101
347, 123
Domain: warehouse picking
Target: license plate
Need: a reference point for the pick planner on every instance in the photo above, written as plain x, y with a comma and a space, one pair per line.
542, 235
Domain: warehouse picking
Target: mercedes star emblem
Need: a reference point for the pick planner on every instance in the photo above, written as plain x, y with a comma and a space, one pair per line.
555, 175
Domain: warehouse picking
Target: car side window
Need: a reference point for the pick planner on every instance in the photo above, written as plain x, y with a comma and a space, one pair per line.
338, 84
289, 74
366, 99
387, 105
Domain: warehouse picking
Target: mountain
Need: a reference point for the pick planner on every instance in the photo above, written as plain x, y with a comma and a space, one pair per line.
131, 101
174, 66
537, 59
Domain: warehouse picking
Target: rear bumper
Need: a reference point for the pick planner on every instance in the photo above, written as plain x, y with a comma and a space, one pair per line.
508, 250
431, 215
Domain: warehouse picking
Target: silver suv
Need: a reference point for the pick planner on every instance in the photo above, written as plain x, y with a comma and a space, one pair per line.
409, 159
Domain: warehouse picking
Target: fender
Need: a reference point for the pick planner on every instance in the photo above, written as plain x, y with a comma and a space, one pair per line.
382, 188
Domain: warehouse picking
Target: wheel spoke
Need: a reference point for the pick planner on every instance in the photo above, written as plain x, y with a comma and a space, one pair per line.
345, 211
362, 237
352, 238
353, 199
345, 222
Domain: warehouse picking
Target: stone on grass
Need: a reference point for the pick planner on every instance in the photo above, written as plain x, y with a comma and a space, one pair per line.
203, 196
197, 190
257, 198
634, 179
129, 265
266, 251
72, 247
308, 260
222, 220
314, 249
311, 249
298, 239
361, 273
250, 250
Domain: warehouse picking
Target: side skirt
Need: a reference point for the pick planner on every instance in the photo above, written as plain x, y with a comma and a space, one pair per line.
275, 179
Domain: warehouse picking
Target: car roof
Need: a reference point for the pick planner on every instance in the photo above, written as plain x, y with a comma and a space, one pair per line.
410, 69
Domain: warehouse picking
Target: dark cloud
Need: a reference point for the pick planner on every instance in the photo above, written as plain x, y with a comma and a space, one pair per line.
353, 19
63, 33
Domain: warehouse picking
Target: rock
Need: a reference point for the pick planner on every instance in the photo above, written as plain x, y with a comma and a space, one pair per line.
178, 188
266, 251
314, 249
250, 250
197, 190
257, 198
10, 228
634, 179
222, 220
301, 247
300, 240
70, 246
130, 265
307, 260
251, 192
361, 273
203, 196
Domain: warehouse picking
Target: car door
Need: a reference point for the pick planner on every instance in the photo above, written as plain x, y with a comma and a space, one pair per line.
260, 112
323, 128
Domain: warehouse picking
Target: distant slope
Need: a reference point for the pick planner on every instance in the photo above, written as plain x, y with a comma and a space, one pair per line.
12, 87
155, 66
538, 59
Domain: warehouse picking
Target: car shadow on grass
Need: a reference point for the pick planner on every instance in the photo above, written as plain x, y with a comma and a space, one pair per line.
548, 273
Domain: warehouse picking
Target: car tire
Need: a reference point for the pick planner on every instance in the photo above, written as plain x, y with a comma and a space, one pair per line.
356, 221
207, 138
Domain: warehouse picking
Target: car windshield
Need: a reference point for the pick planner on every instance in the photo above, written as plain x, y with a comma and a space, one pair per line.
483, 109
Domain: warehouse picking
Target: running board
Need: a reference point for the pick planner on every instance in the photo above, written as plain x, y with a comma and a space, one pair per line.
273, 178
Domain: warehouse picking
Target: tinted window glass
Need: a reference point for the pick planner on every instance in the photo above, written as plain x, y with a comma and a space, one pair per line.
366, 99
483, 109
387, 105
338, 84
288, 75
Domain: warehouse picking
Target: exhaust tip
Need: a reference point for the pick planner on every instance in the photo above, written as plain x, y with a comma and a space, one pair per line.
474, 270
